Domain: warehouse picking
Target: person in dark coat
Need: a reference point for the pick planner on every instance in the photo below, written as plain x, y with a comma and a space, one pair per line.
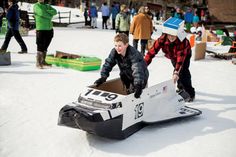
133, 69
13, 19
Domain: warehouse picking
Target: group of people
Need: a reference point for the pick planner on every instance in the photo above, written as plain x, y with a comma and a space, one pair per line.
133, 66
140, 27
91, 15
44, 29
192, 16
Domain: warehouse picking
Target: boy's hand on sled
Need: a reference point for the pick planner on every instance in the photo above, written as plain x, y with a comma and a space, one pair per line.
175, 77
138, 91
100, 81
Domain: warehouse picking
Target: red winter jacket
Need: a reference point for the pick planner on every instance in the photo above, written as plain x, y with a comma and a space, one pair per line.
176, 51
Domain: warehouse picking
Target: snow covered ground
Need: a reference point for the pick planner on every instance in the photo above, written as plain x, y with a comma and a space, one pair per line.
30, 100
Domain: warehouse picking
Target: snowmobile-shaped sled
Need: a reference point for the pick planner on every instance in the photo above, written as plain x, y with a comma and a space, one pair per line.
109, 112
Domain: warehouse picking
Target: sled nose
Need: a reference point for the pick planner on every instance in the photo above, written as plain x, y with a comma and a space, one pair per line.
69, 118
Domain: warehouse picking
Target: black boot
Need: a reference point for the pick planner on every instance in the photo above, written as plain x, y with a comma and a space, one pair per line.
23, 51
3, 51
39, 60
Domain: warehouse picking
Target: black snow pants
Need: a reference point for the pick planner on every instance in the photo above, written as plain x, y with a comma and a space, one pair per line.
10, 33
43, 39
185, 81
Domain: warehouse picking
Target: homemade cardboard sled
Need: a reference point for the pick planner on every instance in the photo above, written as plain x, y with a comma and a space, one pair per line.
108, 111
77, 62
228, 55
200, 51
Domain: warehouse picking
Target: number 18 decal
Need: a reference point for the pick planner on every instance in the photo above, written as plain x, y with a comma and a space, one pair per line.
139, 109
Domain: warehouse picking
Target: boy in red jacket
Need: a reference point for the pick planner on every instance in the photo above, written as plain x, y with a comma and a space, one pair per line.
177, 48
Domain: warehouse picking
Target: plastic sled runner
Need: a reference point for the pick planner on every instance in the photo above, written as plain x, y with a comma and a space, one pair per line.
108, 111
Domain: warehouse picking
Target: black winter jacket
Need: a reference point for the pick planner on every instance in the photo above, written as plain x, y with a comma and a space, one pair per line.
132, 65
13, 17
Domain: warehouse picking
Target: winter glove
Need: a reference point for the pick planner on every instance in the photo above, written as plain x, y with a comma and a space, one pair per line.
100, 81
138, 91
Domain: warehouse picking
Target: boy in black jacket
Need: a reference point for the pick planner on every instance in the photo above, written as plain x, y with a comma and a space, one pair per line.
133, 69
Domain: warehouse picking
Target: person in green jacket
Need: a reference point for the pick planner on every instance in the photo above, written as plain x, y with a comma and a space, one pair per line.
44, 30
122, 22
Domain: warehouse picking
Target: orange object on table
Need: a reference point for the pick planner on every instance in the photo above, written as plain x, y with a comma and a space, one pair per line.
192, 40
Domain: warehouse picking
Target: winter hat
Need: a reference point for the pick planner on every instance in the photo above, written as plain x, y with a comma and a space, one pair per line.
174, 26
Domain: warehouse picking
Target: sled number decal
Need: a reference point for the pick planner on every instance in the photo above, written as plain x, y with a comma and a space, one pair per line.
108, 96
111, 97
139, 108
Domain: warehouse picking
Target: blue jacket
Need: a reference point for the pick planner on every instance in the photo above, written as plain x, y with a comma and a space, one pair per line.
105, 10
114, 12
93, 11
188, 17
13, 17
196, 19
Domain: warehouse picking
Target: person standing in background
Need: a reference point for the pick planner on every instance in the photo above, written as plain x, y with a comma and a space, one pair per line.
123, 20
13, 19
148, 12
114, 12
44, 30
141, 28
105, 14
188, 18
93, 15
86, 15
195, 20
178, 13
